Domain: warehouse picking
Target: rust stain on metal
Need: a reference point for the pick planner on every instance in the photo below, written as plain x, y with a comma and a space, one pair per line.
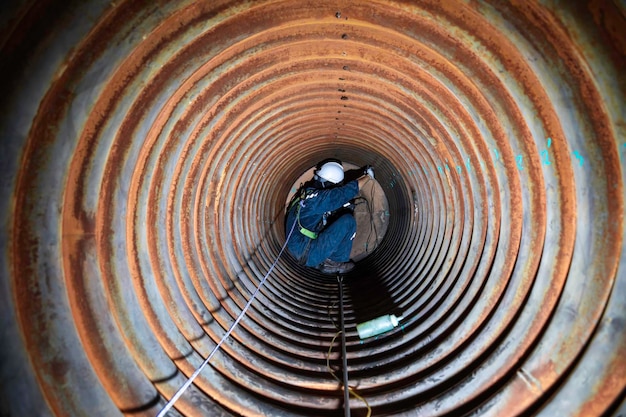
494, 139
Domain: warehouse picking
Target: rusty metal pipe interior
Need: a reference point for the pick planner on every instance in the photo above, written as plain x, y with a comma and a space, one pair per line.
147, 152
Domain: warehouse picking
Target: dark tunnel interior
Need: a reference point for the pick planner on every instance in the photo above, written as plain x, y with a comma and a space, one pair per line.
148, 148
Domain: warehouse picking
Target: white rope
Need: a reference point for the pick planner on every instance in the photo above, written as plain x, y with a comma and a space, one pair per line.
186, 385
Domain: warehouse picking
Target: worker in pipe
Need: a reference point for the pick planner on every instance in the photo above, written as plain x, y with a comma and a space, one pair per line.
322, 209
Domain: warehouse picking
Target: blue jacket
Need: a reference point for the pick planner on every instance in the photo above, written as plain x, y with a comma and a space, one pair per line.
316, 203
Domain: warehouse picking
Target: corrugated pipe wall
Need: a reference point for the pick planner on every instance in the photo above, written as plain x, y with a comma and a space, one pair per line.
147, 151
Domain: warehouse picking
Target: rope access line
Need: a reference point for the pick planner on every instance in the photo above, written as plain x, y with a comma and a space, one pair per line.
186, 385
347, 389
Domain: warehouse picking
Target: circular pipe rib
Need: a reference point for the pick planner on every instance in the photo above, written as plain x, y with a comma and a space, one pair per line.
148, 151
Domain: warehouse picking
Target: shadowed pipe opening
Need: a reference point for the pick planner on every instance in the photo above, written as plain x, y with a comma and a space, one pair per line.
148, 149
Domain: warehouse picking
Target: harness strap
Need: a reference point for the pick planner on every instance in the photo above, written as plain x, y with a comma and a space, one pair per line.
298, 200
306, 232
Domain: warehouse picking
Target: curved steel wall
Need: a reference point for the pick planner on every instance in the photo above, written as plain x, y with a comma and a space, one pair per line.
147, 149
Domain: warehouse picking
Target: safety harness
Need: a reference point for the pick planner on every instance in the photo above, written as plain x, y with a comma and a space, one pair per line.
306, 232
299, 200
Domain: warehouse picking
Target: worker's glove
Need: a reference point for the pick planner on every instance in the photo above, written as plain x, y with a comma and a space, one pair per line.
369, 171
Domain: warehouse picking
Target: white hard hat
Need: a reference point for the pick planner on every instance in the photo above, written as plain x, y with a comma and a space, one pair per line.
331, 171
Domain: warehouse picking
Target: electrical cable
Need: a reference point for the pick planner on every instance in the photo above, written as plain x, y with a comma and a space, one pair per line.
186, 385
370, 202
328, 310
344, 354
350, 389
373, 228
